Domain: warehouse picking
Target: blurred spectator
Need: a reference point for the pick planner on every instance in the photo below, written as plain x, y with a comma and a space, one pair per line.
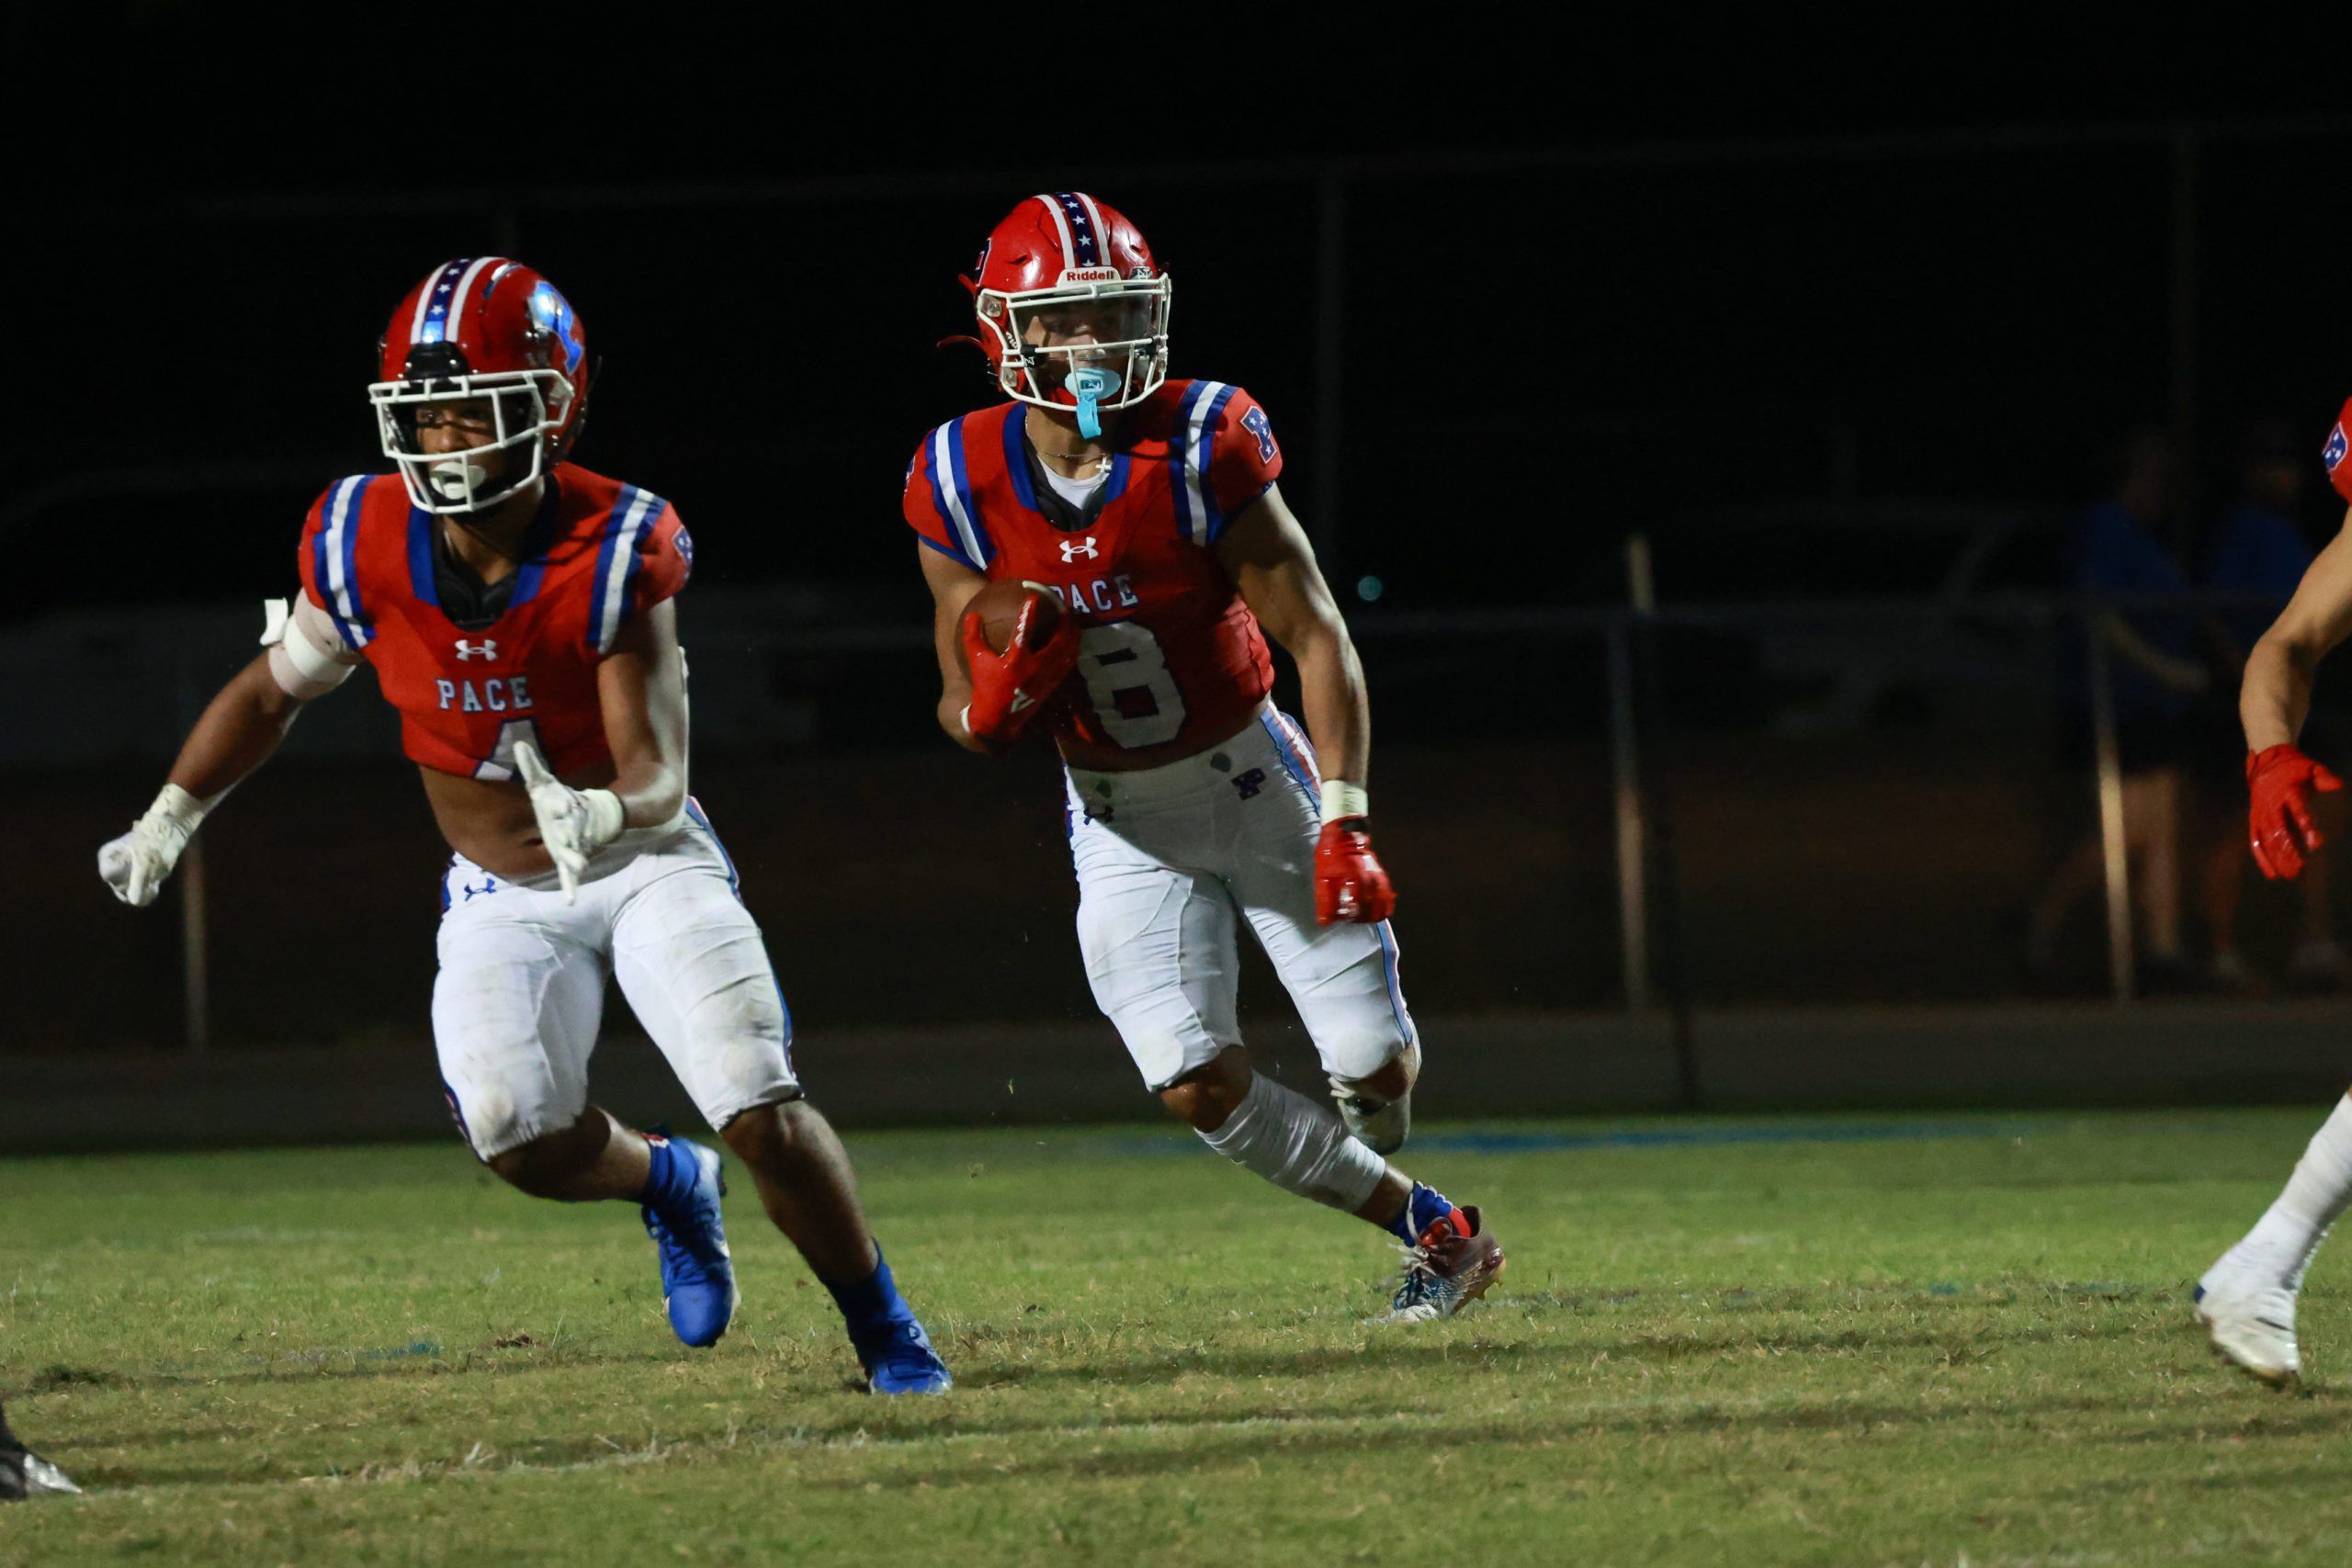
2156, 675
2262, 547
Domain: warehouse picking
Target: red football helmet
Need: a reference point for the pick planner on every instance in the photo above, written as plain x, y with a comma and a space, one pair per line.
486, 329
1073, 313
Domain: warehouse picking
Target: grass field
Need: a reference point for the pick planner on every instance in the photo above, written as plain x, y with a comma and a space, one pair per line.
1849, 1341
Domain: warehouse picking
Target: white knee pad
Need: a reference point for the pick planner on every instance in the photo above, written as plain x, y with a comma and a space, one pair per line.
1410, 1056
1381, 1125
1297, 1145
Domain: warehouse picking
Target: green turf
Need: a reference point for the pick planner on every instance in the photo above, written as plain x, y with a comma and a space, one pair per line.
1963, 1347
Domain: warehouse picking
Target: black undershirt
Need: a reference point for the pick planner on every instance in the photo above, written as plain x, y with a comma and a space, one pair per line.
467, 602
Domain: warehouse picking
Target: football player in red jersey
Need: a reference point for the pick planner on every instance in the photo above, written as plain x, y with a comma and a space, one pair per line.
1148, 508
517, 611
2246, 1300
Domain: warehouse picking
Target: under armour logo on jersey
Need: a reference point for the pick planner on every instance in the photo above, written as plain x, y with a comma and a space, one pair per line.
486, 649
1073, 549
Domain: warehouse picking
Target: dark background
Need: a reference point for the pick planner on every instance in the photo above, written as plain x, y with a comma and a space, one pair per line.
1816, 307
1579, 289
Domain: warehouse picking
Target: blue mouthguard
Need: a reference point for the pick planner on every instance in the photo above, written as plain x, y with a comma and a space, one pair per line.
1089, 386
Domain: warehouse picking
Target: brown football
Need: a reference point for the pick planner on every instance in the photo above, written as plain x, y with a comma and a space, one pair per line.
998, 607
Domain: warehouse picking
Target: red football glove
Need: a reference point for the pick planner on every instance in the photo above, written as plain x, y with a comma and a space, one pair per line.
2279, 777
1009, 688
1349, 882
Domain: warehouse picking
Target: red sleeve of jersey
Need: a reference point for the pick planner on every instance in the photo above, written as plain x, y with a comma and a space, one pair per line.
1243, 458
666, 559
925, 505
307, 553
2339, 472
329, 558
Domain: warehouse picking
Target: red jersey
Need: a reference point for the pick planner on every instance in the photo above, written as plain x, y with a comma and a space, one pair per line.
1172, 659
597, 553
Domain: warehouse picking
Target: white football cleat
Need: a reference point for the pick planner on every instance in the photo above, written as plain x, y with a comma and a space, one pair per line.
2248, 1307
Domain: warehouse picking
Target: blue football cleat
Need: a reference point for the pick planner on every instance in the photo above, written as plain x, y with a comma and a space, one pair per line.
898, 1357
690, 1235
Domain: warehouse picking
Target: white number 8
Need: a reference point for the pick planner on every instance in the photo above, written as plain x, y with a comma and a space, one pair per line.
1125, 657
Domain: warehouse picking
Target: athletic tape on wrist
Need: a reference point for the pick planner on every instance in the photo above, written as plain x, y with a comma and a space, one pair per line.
606, 816
1342, 799
176, 812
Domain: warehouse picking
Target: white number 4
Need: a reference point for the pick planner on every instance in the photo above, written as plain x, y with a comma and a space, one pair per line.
500, 764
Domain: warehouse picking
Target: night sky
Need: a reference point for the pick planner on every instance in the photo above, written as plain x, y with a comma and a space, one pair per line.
1603, 291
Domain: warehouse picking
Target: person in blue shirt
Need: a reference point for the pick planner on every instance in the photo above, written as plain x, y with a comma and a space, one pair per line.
2156, 673
2261, 548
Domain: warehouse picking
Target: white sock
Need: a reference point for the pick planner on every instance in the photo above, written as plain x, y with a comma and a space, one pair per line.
2314, 1196
1298, 1146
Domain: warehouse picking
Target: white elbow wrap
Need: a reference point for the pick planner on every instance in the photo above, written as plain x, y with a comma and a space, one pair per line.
300, 666
1342, 799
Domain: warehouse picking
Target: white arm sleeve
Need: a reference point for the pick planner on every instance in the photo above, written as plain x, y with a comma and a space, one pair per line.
308, 657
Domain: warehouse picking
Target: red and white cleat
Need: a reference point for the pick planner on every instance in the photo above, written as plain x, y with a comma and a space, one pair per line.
1447, 1269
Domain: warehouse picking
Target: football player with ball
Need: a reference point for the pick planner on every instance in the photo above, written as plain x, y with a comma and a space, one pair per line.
1108, 553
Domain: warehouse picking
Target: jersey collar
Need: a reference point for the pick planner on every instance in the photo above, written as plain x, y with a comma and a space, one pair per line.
1021, 460
536, 539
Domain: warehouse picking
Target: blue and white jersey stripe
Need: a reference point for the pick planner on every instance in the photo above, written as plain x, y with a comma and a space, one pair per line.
951, 489
634, 514
334, 560
1188, 450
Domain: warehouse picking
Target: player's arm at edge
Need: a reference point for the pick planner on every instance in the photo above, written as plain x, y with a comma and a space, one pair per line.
2275, 695
641, 691
953, 585
238, 731
1268, 556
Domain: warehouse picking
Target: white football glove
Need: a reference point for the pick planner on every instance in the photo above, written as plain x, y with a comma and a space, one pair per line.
573, 823
136, 865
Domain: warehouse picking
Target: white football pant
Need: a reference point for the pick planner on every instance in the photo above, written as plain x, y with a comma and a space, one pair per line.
1172, 860
521, 991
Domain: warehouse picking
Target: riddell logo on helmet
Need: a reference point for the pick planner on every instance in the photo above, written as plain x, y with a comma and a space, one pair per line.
1089, 274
